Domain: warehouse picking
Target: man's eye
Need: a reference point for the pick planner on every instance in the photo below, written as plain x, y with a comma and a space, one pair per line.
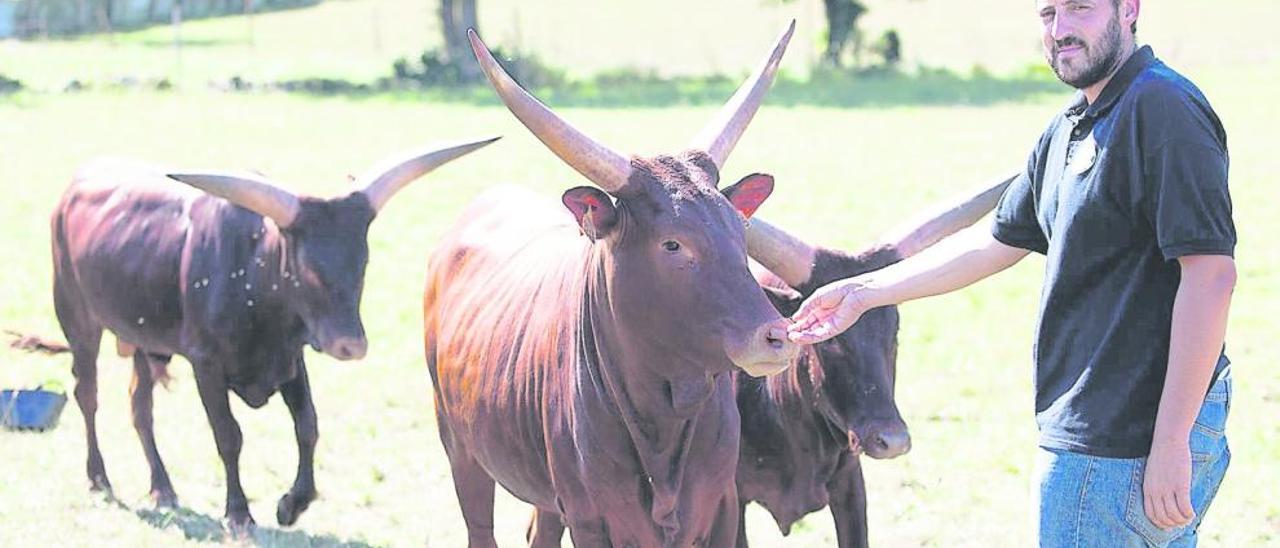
671, 245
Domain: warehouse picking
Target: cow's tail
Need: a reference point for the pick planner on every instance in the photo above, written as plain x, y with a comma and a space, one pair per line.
159, 363
33, 343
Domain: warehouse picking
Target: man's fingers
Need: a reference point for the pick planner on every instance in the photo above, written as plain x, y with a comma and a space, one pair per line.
809, 312
1185, 510
1173, 517
1149, 508
814, 312
813, 334
1155, 510
1158, 515
807, 319
1173, 514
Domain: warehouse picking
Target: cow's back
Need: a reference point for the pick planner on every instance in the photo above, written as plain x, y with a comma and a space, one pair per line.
118, 236
501, 305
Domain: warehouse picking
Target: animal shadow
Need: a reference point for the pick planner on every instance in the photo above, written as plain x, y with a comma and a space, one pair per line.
205, 528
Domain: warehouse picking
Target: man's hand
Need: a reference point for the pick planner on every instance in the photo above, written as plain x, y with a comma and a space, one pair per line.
1166, 485
831, 309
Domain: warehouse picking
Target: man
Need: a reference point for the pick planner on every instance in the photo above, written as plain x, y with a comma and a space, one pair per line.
1126, 195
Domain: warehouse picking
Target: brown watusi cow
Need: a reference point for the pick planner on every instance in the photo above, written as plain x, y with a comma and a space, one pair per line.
802, 431
236, 275
582, 358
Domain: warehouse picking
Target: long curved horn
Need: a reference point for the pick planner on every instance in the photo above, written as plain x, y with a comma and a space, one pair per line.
783, 254
792, 260
387, 177
596, 162
722, 133
246, 190
945, 219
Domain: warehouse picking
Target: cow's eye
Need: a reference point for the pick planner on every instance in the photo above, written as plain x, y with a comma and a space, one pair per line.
671, 245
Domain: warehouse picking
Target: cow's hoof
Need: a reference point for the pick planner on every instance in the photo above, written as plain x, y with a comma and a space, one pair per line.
164, 498
291, 506
240, 527
98, 484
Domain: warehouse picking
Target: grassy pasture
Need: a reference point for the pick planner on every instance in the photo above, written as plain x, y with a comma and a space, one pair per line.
844, 175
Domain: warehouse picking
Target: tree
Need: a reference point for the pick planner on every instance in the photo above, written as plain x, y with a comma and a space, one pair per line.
842, 29
456, 16
106, 15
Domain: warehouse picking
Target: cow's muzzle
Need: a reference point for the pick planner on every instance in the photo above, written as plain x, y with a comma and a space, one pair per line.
885, 441
347, 348
767, 351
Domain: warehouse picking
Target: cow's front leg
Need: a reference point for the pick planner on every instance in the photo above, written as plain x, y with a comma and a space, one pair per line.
727, 530
742, 525
226, 434
297, 395
848, 495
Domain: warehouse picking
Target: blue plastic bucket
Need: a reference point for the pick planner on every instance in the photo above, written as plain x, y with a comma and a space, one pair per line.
30, 409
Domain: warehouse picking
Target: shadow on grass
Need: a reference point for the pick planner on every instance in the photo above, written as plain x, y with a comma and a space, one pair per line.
926, 87
192, 43
204, 528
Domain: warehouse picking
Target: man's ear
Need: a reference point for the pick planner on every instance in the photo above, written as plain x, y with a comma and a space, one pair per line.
592, 208
747, 195
1129, 10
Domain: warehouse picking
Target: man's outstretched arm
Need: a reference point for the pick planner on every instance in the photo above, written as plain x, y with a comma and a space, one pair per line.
957, 262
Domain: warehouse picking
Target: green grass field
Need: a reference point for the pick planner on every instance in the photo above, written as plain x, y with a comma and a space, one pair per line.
844, 175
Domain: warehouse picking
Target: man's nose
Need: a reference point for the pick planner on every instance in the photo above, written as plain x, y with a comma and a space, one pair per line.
1061, 27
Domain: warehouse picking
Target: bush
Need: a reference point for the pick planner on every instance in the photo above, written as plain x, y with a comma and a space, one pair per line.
889, 48
9, 85
434, 69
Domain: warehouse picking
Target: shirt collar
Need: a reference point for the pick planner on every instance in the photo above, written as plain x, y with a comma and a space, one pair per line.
1116, 87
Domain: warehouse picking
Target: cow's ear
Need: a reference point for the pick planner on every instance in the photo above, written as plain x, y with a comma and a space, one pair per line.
747, 195
592, 208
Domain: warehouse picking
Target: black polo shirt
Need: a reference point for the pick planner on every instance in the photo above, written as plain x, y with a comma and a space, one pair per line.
1113, 194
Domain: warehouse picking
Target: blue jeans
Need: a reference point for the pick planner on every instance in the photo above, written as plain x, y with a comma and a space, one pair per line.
1095, 501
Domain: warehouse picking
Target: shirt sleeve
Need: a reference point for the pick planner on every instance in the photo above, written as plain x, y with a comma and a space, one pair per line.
1188, 200
1016, 223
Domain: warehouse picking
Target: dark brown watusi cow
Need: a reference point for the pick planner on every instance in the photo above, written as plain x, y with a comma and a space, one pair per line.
237, 278
583, 361
802, 431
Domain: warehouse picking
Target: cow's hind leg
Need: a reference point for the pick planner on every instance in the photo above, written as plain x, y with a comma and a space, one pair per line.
227, 436
545, 529
83, 336
297, 395
848, 495
140, 393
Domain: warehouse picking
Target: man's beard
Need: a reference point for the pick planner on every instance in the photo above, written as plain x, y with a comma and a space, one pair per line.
1097, 63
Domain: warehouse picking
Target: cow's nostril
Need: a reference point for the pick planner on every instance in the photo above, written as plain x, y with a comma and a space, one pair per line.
775, 338
890, 444
347, 349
